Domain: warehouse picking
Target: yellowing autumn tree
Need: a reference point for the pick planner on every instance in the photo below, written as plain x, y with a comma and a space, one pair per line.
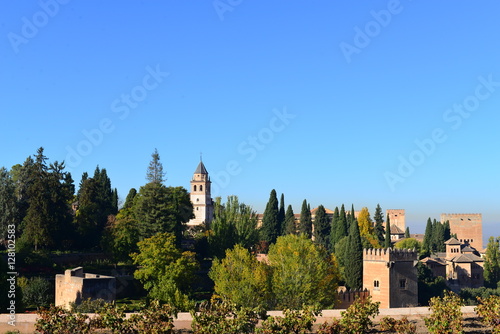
367, 230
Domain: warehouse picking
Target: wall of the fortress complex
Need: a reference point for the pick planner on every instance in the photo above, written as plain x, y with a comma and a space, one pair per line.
467, 226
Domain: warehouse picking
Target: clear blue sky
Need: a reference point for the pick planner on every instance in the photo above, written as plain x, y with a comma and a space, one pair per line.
323, 101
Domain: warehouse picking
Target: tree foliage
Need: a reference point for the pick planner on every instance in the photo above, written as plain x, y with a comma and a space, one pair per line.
164, 270
378, 217
302, 273
354, 256
242, 279
492, 263
339, 226
270, 229
233, 223
305, 224
289, 226
155, 172
322, 227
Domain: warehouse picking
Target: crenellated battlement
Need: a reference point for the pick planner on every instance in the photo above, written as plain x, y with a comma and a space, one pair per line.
388, 254
462, 215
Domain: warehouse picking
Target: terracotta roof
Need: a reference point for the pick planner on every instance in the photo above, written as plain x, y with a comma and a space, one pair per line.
467, 258
396, 230
467, 249
452, 241
437, 261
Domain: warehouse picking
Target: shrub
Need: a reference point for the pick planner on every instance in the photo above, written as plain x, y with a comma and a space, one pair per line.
37, 292
58, 320
88, 306
222, 317
356, 319
296, 322
404, 326
446, 314
489, 310
387, 324
154, 319
331, 328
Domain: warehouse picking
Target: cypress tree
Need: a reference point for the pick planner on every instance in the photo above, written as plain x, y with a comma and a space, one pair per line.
354, 254
270, 224
336, 230
305, 225
387, 239
281, 215
447, 230
407, 232
289, 226
322, 227
378, 217
438, 237
427, 243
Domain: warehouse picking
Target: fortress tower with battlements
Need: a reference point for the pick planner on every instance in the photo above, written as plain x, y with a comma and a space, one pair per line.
467, 226
391, 276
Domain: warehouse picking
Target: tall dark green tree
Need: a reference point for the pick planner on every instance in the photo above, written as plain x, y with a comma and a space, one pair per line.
45, 196
129, 201
270, 224
155, 172
281, 215
160, 209
378, 217
322, 228
339, 226
351, 217
8, 203
354, 269
305, 224
289, 227
427, 243
407, 232
387, 238
446, 230
438, 237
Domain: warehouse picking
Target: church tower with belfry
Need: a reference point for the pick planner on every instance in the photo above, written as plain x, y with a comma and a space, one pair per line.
201, 198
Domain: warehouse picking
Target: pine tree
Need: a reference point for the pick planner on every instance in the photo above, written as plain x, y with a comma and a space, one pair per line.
270, 224
8, 203
155, 172
354, 268
281, 215
387, 239
289, 227
305, 225
322, 228
378, 217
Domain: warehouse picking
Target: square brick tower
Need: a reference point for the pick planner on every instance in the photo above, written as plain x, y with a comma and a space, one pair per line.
391, 276
467, 226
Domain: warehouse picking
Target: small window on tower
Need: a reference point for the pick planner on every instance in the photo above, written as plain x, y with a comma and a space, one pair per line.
376, 285
402, 284
201, 188
194, 188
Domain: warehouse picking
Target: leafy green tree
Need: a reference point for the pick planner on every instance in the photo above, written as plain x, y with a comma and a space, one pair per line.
322, 228
289, 227
367, 230
339, 226
281, 215
428, 285
387, 239
164, 270
233, 223
124, 235
305, 224
408, 243
242, 279
155, 172
37, 292
270, 223
354, 268
8, 203
302, 273
492, 263
378, 217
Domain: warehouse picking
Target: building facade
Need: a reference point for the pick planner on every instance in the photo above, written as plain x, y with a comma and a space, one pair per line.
391, 276
468, 228
200, 194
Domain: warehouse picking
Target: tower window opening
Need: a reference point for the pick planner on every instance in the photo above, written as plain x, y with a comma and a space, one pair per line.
402, 284
201, 188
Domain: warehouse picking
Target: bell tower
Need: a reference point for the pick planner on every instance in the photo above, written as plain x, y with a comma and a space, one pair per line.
201, 197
